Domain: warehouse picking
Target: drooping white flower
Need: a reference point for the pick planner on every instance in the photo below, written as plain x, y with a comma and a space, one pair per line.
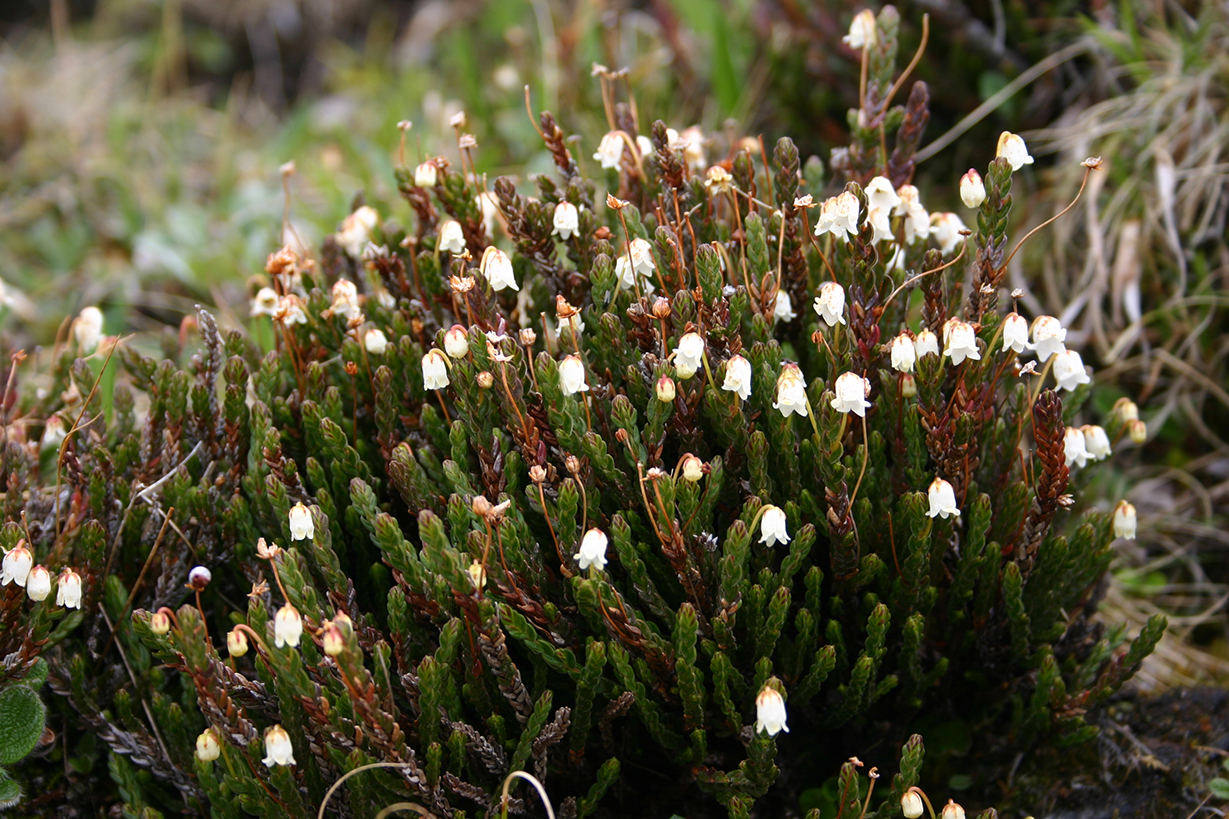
1069, 370
770, 712
783, 307
692, 468
345, 299
839, 216
689, 355
911, 804
15, 567
38, 583
207, 746
946, 227
1048, 337
851, 390
301, 525
54, 432
738, 377
87, 329
952, 811
610, 150
566, 221
644, 145
572, 375
791, 392
278, 750
356, 230
880, 194
972, 189
861, 31
425, 175
927, 343
1124, 520
830, 303
375, 341
490, 211
287, 627
961, 341
642, 257
452, 238
497, 268
1074, 448
592, 550
1012, 148
265, 302
1096, 442
456, 341
917, 220
434, 370
68, 592
904, 354
1015, 333
772, 526
880, 220
942, 499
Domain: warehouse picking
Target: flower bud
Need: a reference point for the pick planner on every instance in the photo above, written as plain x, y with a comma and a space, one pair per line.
456, 342
911, 804
207, 746
908, 386
972, 189
528, 337
952, 811
665, 389
693, 468
477, 574
485, 380
199, 578
236, 643
160, 623
1138, 431
375, 341
1125, 520
38, 584
333, 639
1126, 410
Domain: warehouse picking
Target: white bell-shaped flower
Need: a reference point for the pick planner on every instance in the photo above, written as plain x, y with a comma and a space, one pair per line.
345, 299
972, 189
961, 341
456, 341
946, 227
434, 370
1015, 333
278, 750
426, 175
207, 746
1124, 521
911, 804
572, 375
689, 355
904, 353
738, 377
830, 303
839, 216
452, 238
926, 343
952, 811
783, 307
880, 220
610, 150
772, 526
287, 627
1069, 370
592, 550
356, 230
375, 342
38, 584
791, 392
497, 268
87, 329
851, 390
301, 525
68, 593
1096, 442
917, 220
1012, 148
942, 499
1048, 337
862, 32
880, 194
566, 221
15, 567
770, 712
1074, 448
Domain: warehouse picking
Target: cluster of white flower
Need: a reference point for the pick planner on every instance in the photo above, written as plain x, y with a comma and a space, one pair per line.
18, 567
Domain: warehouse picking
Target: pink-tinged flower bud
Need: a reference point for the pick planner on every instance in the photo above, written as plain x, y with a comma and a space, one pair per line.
972, 189
456, 342
160, 623
952, 811
375, 342
333, 639
38, 584
236, 643
1126, 410
665, 389
425, 175
485, 380
908, 386
911, 804
693, 468
1137, 430
207, 746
